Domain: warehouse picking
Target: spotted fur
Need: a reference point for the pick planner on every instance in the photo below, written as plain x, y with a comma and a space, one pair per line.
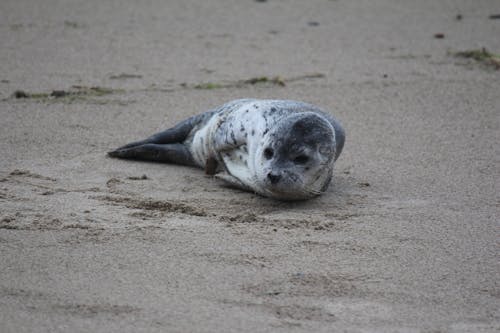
277, 148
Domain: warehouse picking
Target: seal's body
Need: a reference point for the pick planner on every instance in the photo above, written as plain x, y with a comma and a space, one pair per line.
277, 148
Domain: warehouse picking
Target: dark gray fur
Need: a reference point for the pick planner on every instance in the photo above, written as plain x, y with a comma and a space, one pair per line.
167, 146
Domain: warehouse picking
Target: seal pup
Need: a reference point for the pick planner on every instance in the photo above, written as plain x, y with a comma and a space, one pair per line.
277, 148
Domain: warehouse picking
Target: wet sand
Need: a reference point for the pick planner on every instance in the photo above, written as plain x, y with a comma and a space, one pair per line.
405, 239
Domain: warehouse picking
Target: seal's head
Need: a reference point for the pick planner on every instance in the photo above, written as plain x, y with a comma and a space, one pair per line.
295, 158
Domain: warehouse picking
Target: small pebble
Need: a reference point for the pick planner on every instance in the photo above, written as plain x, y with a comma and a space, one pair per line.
143, 177
20, 94
58, 93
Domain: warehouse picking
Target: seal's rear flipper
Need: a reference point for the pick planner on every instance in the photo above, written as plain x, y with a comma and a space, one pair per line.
167, 153
176, 134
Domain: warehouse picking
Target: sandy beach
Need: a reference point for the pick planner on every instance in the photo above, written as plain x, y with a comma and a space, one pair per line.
404, 240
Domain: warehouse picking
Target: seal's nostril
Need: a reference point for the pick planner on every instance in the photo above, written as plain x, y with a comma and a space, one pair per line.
273, 178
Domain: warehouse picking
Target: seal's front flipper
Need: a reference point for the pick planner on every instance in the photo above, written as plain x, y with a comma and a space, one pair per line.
231, 180
236, 163
169, 153
211, 166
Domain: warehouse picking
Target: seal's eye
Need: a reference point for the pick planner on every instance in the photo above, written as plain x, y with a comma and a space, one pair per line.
301, 159
268, 153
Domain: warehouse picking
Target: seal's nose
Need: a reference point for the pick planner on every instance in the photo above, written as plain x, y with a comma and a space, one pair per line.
273, 178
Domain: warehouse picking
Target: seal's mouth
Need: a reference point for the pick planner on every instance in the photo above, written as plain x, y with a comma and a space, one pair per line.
291, 196
290, 192
284, 178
